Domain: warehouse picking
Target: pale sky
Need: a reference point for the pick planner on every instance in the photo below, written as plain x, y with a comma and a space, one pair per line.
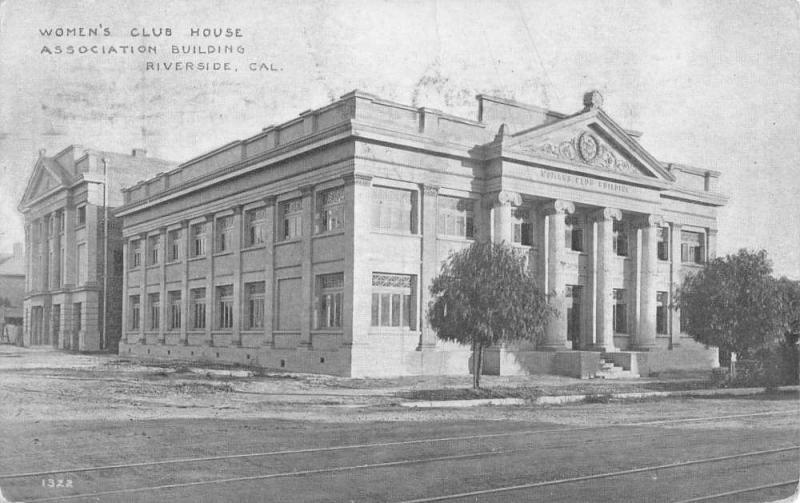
714, 84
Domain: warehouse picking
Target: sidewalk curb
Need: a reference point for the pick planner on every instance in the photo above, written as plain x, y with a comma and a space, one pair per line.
563, 399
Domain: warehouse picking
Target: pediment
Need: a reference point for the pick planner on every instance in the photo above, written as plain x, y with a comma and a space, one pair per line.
590, 139
43, 180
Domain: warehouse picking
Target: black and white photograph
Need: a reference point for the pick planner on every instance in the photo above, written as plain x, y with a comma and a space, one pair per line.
399, 251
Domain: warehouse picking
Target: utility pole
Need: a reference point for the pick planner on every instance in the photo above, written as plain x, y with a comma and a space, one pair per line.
104, 340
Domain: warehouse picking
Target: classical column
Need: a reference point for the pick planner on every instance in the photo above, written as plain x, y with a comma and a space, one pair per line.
675, 280
357, 302
501, 206
604, 300
556, 330
124, 325
430, 263
648, 260
269, 268
307, 192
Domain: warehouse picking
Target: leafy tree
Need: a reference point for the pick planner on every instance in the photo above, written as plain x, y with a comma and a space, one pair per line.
731, 303
484, 295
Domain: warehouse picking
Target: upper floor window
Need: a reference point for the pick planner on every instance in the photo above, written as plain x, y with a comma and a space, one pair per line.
522, 226
620, 238
153, 250
393, 300
198, 239
254, 302
456, 217
225, 306
692, 249
175, 245
136, 253
61, 223
330, 210
81, 215
330, 289
254, 222
574, 232
292, 214
392, 210
663, 243
224, 233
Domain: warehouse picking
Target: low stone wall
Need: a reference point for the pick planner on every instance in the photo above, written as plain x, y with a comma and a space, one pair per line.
580, 364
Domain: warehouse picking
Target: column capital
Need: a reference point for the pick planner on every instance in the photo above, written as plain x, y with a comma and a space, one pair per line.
651, 220
237, 210
607, 214
559, 206
185, 223
306, 189
357, 179
502, 198
429, 190
270, 200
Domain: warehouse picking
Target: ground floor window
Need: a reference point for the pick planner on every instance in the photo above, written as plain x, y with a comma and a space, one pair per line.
330, 290
154, 300
175, 310
255, 304
393, 300
620, 312
197, 307
77, 321
661, 312
135, 306
574, 294
225, 306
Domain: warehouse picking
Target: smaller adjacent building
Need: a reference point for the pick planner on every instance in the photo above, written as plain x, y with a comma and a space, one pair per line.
12, 291
71, 232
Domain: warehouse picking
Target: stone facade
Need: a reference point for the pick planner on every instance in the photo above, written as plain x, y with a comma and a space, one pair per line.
311, 245
65, 206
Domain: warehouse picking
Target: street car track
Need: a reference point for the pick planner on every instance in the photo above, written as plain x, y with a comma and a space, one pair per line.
420, 461
740, 491
380, 444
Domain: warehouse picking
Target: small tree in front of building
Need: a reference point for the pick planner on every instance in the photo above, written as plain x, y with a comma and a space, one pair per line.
484, 295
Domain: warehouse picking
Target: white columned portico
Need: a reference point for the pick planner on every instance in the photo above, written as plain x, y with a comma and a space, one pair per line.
603, 294
646, 324
556, 330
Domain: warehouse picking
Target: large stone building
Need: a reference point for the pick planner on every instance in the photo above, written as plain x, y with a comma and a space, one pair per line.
12, 292
311, 246
66, 246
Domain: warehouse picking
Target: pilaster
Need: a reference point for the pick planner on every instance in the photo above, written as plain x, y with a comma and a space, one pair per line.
675, 281
307, 192
356, 312
238, 295
428, 267
269, 268
185, 294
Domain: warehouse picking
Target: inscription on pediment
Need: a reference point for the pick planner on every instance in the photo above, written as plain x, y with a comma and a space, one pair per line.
585, 148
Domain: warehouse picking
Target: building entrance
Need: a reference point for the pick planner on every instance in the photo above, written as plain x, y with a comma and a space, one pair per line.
574, 296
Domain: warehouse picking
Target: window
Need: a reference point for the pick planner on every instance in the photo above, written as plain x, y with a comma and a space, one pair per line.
154, 301
620, 239
330, 210
330, 289
174, 242
77, 316
135, 307
225, 306
574, 294
456, 217
197, 307
61, 222
198, 239
174, 310
522, 226
254, 221
692, 249
153, 250
663, 243
254, 295
81, 215
574, 232
82, 265
224, 233
136, 253
393, 300
292, 212
620, 312
392, 210
661, 312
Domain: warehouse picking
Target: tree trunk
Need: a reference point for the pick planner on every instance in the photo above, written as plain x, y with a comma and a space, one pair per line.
475, 367
480, 362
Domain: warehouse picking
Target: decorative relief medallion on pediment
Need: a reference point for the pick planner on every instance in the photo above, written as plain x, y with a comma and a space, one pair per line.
585, 148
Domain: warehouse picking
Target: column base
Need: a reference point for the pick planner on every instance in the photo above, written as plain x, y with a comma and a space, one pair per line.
563, 346
603, 348
648, 346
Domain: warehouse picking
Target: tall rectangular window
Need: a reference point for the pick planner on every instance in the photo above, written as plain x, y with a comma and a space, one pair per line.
254, 224
134, 303
393, 300
153, 250
254, 302
392, 210
198, 239
330, 210
61, 223
225, 306
692, 249
574, 294
574, 232
175, 245
82, 264
135, 253
662, 306
154, 306
197, 307
456, 217
620, 312
663, 243
81, 216
292, 216
522, 226
620, 238
330, 289
175, 310
224, 233
77, 317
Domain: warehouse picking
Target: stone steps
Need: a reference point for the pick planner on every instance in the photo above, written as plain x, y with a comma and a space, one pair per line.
608, 370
